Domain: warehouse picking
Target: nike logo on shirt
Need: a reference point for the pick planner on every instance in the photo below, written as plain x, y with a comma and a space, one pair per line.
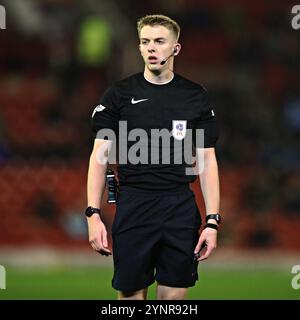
137, 101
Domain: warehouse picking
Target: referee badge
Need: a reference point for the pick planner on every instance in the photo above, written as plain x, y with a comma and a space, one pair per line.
179, 129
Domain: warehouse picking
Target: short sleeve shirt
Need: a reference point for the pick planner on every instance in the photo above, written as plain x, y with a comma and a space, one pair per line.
151, 124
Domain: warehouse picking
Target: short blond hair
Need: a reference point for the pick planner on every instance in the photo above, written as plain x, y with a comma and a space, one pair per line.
159, 20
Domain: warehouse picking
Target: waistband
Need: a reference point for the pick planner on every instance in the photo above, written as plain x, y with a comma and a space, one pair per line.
179, 189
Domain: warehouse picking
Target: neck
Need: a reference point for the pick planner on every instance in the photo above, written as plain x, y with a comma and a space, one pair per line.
158, 77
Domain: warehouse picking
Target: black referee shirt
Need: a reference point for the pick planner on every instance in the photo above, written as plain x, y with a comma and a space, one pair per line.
175, 106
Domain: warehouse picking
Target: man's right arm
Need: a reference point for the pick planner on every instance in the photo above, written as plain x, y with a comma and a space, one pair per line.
95, 189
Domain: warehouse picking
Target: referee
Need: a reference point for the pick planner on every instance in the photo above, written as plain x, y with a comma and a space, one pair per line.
156, 227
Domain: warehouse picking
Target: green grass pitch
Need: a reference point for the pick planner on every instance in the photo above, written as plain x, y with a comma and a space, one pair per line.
95, 283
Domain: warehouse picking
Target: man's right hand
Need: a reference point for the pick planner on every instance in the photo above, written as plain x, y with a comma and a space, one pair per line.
98, 235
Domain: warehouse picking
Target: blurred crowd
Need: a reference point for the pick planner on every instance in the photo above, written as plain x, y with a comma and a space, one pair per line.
58, 56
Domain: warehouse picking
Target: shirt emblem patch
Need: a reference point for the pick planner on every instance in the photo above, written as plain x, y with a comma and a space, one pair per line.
179, 129
98, 108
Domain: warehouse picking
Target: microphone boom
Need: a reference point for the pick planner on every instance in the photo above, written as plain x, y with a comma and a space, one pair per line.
164, 61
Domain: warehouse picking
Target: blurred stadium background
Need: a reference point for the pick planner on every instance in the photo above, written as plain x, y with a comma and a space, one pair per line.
56, 59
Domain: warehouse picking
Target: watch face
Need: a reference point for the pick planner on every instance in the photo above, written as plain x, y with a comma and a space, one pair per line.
90, 211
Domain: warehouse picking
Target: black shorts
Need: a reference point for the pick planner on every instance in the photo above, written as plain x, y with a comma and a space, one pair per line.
154, 237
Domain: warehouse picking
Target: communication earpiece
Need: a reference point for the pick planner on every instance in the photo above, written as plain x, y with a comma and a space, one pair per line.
173, 54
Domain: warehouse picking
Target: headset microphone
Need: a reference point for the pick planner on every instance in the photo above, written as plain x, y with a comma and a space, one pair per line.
164, 61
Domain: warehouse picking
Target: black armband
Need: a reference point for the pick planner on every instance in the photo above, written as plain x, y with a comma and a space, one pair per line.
211, 225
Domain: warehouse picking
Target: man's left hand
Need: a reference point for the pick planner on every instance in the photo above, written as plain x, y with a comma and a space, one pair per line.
208, 238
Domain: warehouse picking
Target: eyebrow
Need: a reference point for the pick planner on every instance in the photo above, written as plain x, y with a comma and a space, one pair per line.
160, 38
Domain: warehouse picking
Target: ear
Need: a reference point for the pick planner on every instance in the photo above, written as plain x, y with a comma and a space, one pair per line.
177, 49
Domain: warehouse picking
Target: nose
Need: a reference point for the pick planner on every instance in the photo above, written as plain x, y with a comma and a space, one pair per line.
151, 48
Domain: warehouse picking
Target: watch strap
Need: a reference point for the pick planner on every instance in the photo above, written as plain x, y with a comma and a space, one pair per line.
215, 216
211, 225
90, 211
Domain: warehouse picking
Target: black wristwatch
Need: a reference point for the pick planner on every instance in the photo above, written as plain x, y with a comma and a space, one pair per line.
216, 217
90, 211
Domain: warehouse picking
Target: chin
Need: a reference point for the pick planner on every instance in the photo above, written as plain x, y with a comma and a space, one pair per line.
154, 68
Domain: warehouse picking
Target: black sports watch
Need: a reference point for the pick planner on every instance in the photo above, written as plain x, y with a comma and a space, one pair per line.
90, 211
216, 217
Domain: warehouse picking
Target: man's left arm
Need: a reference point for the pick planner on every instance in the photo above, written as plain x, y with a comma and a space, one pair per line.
209, 181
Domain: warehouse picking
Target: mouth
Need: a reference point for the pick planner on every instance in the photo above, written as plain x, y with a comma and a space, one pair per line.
152, 59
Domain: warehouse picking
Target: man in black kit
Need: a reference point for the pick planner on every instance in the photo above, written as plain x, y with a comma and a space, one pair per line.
156, 227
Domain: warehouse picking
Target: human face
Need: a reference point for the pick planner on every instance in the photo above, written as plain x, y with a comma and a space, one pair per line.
156, 44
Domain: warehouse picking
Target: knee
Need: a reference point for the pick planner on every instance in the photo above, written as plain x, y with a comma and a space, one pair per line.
172, 294
136, 295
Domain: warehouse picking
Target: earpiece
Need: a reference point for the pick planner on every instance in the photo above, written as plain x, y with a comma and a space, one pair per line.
173, 54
